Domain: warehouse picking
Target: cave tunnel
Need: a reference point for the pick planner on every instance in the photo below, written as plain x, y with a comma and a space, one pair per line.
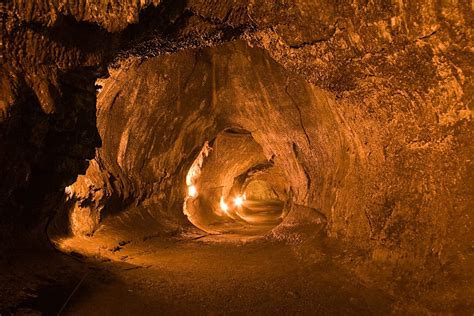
236, 157
233, 188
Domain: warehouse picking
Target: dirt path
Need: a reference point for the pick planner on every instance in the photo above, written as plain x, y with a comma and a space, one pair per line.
205, 277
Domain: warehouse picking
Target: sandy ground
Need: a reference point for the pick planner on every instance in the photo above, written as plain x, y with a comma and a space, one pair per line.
223, 278
208, 275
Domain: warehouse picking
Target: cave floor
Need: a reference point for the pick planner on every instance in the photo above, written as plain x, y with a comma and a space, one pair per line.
208, 275
215, 278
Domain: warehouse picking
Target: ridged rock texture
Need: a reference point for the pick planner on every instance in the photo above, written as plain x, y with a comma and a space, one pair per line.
364, 106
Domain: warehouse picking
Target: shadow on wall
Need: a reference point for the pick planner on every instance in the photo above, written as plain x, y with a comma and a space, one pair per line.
42, 153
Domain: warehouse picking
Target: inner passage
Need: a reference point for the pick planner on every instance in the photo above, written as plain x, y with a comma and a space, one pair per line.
233, 188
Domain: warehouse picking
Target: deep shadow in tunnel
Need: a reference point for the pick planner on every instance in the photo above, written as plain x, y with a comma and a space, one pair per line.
46, 152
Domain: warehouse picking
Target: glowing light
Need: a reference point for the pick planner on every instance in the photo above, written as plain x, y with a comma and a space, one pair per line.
238, 201
192, 191
223, 205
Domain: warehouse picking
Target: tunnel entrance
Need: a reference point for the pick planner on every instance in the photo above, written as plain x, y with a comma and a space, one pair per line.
233, 188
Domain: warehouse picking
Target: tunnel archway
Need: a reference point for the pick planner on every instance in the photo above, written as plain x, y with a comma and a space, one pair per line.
233, 188
281, 140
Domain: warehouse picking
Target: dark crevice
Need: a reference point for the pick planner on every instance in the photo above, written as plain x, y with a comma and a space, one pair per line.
428, 36
318, 40
299, 115
298, 157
